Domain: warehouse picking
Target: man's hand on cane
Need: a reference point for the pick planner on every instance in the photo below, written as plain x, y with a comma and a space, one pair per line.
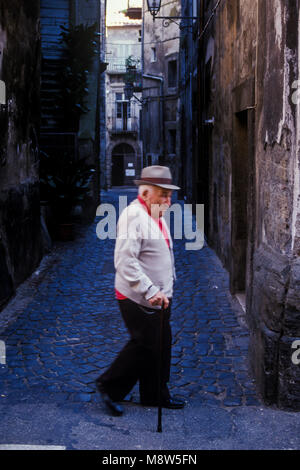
158, 298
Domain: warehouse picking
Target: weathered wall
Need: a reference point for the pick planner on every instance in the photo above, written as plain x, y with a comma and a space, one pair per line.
20, 235
161, 109
274, 311
190, 107
122, 42
88, 13
254, 177
102, 93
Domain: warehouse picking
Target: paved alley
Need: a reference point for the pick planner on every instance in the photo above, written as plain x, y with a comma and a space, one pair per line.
65, 330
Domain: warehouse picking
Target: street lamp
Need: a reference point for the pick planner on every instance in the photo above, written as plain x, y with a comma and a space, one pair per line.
154, 7
128, 91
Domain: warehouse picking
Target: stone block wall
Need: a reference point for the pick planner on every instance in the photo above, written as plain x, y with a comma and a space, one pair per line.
254, 161
21, 246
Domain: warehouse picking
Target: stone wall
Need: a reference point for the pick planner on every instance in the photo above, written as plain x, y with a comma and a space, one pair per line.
249, 63
122, 40
20, 235
161, 125
88, 13
274, 310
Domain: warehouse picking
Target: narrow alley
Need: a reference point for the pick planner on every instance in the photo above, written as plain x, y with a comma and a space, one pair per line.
69, 331
106, 101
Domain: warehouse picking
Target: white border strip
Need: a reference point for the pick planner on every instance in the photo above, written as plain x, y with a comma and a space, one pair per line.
29, 447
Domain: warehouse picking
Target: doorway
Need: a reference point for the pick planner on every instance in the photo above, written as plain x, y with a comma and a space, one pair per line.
123, 117
239, 203
123, 165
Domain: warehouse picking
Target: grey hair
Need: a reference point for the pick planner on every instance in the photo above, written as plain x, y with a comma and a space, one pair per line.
143, 187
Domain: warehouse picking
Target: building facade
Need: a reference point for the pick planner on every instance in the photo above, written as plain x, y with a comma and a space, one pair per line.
246, 170
161, 88
102, 95
189, 104
57, 133
123, 137
21, 246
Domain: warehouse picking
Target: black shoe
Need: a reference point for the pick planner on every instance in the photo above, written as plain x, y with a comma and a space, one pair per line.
171, 403
113, 407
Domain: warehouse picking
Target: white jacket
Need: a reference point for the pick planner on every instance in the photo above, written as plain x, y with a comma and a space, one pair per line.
143, 261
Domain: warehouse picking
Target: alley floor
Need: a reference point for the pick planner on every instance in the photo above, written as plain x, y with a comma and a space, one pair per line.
63, 329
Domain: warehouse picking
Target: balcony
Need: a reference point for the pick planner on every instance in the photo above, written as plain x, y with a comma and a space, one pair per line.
134, 9
117, 65
121, 127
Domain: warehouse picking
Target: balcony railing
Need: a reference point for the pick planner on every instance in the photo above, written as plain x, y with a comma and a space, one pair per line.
123, 125
118, 65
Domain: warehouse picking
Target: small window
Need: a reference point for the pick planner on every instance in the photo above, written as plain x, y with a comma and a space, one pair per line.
195, 8
172, 73
119, 110
172, 141
140, 36
153, 54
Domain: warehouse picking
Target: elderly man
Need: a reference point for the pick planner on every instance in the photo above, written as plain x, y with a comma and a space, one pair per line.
145, 272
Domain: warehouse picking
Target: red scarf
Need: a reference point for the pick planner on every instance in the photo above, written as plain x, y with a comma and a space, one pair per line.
158, 221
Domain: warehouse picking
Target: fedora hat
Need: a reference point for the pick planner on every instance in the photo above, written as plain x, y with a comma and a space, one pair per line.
157, 175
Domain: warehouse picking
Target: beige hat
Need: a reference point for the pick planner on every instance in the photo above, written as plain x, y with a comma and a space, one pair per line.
157, 175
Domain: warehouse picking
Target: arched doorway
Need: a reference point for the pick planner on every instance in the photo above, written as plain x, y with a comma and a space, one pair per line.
123, 165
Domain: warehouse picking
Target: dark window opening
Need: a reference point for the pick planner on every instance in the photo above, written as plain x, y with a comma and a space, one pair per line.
172, 140
172, 73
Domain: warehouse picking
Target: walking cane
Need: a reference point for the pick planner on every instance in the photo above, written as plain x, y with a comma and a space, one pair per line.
160, 366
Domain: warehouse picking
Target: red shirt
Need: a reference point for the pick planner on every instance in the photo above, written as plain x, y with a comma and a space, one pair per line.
120, 296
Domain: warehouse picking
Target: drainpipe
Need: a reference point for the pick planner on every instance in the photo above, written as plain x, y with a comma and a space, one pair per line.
162, 116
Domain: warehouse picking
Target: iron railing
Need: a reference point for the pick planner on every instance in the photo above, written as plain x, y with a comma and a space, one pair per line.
124, 125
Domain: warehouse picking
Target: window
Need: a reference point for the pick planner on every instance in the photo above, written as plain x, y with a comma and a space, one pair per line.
123, 107
172, 73
140, 36
119, 110
119, 97
153, 54
195, 12
172, 141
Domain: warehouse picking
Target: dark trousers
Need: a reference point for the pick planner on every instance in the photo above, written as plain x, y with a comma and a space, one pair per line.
138, 360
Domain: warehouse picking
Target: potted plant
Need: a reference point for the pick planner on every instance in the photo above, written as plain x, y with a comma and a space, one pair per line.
64, 181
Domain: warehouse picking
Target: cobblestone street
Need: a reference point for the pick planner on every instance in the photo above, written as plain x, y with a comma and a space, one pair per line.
60, 340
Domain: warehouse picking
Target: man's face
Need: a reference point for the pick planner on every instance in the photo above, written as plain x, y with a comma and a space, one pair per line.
158, 196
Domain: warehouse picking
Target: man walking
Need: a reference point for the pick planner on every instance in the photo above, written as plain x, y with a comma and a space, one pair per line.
145, 272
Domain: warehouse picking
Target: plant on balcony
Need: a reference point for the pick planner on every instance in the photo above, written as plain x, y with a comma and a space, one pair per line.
132, 73
131, 77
